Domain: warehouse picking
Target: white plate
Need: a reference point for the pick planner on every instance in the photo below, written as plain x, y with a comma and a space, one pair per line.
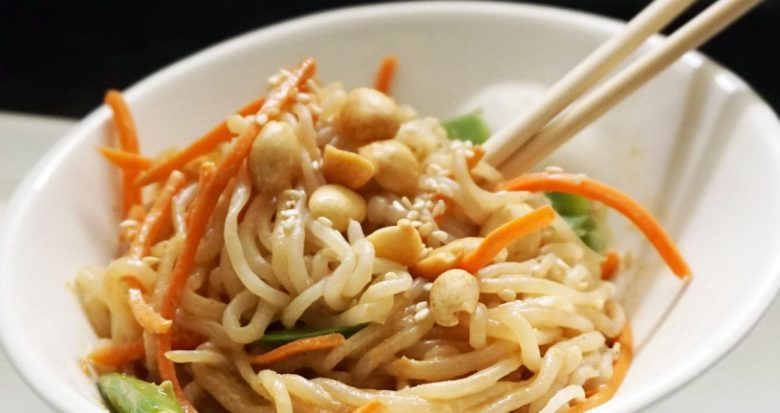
695, 144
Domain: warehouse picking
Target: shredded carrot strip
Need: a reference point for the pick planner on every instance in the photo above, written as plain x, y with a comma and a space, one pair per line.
504, 235
125, 160
479, 153
202, 146
128, 142
610, 264
159, 214
590, 188
384, 76
299, 346
202, 208
118, 354
142, 311
619, 370
373, 407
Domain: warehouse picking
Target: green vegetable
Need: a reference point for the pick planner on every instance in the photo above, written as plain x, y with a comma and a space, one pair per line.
126, 394
581, 224
469, 127
291, 334
595, 240
576, 211
569, 204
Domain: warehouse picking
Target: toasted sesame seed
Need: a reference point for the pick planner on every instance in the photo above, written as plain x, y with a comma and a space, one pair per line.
507, 295
406, 202
422, 315
413, 215
325, 221
440, 235
427, 286
261, 119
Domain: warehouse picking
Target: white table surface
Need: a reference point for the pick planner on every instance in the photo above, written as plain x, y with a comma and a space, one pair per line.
746, 380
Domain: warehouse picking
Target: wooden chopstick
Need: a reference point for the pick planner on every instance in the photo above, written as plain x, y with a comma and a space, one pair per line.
582, 77
690, 36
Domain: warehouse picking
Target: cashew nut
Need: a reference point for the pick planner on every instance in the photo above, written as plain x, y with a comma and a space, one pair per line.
337, 203
368, 115
400, 243
453, 291
397, 168
275, 158
346, 168
444, 258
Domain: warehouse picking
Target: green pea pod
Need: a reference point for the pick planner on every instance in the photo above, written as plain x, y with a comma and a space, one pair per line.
126, 394
569, 204
469, 127
280, 337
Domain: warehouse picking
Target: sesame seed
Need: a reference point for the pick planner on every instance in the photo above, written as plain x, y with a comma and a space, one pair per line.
272, 112
446, 191
418, 205
261, 119
439, 208
325, 221
427, 286
440, 235
128, 223
419, 306
416, 224
553, 169
579, 178
413, 215
406, 202
303, 97
150, 261
444, 172
422, 315
426, 229
287, 213
507, 295
469, 153
398, 207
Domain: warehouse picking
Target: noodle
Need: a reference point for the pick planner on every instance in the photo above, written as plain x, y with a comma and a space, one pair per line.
333, 284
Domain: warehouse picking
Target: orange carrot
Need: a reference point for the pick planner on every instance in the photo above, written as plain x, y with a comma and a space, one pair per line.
117, 355
299, 346
142, 311
128, 142
202, 208
590, 188
619, 370
372, 407
125, 160
159, 214
384, 76
479, 153
202, 146
610, 264
504, 235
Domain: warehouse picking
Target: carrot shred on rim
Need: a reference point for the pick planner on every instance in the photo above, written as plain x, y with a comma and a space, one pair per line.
201, 146
385, 74
619, 370
373, 406
504, 235
299, 346
610, 264
159, 214
598, 191
117, 355
125, 160
143, 312
128, 142
202, 207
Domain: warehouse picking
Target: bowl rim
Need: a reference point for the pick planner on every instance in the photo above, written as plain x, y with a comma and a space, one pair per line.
24, 363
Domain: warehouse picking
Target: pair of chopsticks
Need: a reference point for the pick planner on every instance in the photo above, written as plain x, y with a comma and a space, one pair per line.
517, 147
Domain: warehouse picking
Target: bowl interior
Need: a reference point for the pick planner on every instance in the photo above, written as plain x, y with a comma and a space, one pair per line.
695, 145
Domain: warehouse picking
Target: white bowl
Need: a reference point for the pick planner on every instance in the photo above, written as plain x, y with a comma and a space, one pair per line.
696, 145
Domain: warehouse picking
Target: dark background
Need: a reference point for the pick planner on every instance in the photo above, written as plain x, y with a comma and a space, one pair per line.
58, 57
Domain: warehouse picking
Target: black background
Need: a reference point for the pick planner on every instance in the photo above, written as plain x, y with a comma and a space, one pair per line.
58, 57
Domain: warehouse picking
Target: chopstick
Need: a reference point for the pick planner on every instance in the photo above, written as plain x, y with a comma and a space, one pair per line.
650, 20
690, 36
